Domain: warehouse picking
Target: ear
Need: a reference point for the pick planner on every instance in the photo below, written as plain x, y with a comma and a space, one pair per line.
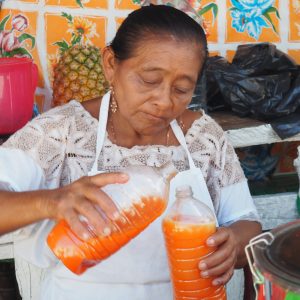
108, 64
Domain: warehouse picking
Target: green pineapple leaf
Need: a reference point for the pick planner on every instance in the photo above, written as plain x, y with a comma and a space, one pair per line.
63, 45
3, 22
67, 16
79, 3
26, 36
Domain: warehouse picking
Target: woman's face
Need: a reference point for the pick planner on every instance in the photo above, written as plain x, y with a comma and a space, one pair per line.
156, 85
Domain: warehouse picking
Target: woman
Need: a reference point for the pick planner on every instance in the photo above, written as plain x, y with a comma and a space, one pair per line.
152, 66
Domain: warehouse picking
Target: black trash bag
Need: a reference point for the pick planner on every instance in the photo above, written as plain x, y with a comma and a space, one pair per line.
199, 97
287, 126
263, 82
263, 58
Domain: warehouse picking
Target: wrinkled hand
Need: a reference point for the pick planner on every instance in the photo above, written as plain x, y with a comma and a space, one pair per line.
220, 264
84, 197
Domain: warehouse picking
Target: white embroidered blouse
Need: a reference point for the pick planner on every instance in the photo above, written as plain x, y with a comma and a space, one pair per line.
62, 143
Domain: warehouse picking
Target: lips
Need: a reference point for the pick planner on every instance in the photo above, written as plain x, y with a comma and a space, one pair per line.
154, 117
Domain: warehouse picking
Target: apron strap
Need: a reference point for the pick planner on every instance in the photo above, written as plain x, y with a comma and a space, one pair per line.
101, 132
181, 139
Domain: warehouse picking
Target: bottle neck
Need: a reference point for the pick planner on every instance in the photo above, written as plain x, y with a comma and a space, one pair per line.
184, 192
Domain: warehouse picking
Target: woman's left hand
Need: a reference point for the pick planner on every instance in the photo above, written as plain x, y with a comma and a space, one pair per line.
220, 264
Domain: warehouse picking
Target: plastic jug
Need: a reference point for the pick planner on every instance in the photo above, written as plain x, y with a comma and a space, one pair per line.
186, 227
140, 201
18, 81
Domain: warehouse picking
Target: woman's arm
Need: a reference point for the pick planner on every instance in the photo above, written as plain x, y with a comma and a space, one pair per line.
18, 209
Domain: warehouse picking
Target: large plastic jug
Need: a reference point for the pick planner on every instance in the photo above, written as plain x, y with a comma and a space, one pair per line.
140, 201
18, 81
186, 227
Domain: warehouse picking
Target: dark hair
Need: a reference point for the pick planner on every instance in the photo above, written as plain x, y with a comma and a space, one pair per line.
156, 20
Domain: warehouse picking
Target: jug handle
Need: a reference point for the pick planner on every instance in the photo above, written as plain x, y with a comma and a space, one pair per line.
35, 76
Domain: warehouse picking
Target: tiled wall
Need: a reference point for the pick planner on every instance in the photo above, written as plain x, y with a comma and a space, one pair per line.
33, 27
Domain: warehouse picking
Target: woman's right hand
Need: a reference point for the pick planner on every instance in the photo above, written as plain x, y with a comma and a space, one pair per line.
81, 198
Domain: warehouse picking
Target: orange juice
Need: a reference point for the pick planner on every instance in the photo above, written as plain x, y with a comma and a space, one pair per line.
185, 238
78, 255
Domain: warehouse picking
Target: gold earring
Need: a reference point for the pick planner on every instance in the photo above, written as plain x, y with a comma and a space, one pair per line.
113, 102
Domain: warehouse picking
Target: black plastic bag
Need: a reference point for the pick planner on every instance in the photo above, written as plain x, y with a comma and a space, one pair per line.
287, 126
262, 82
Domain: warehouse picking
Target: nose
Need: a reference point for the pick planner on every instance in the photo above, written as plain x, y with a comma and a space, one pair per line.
162, 100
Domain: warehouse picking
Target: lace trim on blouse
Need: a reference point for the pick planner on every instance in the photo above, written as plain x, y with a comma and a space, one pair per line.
63, 142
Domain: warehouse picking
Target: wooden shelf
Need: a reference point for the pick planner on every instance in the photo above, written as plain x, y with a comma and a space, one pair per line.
244, 132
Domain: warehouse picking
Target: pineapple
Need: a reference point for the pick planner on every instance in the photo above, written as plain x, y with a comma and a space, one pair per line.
79, 75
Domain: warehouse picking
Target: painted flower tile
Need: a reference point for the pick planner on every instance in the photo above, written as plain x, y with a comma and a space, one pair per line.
252, 21
18, 36
102, 4
127, 4
295, 54
73, 30
294, 34
87, 21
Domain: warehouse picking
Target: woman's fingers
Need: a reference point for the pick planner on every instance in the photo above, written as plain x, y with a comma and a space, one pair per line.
85, 206
94, 219
101, 199
217, 269
218, 238
224, 278
103, 179
76, 225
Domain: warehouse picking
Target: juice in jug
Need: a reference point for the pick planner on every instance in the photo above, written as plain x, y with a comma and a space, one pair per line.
140, 201
186, 228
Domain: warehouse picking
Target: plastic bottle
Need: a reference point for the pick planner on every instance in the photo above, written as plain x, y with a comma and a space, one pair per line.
140, 201
186, 227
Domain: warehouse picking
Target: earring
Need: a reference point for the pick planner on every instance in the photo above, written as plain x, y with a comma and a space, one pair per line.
113, 102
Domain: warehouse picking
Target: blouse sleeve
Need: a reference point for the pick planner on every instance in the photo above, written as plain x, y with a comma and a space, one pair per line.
32, 159
36, 152
225, 179
235, 202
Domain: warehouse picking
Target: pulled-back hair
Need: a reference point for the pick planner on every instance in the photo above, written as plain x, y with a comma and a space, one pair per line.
156, 21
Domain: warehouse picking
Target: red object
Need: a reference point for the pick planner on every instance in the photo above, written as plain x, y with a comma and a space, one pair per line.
18, 81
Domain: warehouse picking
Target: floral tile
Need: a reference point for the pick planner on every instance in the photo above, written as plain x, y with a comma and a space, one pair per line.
18, 36
294, 33
252, 21
214, 53
73, 30
119, 21
295, 54
230, 55
30, 1
79, 3
127, 4
208, 10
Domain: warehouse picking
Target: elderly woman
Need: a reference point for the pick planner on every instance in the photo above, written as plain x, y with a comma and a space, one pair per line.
152, 66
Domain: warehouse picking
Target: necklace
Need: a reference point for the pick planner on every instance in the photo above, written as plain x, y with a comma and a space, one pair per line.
113, 137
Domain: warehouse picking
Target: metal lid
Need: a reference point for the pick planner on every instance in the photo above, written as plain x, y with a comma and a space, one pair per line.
279, 260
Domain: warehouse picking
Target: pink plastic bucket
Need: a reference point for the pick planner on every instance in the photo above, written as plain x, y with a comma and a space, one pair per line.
18, 81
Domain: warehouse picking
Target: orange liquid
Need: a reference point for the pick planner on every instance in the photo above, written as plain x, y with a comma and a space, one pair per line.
186, 246
78, 255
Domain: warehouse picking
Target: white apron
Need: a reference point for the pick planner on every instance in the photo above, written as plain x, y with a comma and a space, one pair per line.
139, 270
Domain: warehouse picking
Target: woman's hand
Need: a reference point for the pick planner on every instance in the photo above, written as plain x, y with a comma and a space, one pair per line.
220, 264
84, 197
230, 243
